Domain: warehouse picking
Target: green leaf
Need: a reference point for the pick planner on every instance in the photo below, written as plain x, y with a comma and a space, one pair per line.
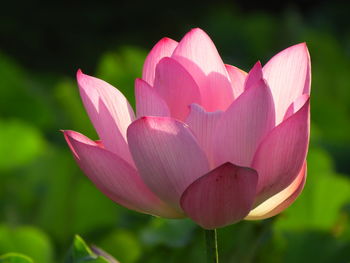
92, 209
15, 258
81, 252
27, 240
80, 248
20, 144
123, 245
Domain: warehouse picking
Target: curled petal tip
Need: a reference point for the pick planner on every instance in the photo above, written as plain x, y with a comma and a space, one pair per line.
66, 132
166, 39
79, 73
81, 77
197, 32
197, 29
301, 45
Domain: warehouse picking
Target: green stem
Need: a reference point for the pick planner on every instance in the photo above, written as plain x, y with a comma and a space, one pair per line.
211, 242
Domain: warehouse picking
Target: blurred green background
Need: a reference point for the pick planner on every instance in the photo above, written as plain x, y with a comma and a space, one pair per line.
45, 199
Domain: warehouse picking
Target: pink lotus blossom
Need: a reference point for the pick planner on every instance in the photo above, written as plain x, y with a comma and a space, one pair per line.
209, 141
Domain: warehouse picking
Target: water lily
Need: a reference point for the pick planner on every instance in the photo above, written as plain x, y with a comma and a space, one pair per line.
209, 141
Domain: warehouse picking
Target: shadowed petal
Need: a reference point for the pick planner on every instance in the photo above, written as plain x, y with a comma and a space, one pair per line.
288, 75
237, 77
279, 202
115, 178
198, 54
203, 125
281, 154
176, 87
221, 197
148, 101
164, 48
167, 156
242, 127
296, 105
109, 111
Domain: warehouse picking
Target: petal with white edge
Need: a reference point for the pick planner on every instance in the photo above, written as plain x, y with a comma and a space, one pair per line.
280, 201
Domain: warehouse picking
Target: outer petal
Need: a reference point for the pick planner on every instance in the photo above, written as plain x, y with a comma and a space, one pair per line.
243, 126
176, 86
167, 155
109, 112
197, 53
288, 75
164, 48
115, 177
237, 77
223, 196
203, 126
279, 202
281, 154
148, 102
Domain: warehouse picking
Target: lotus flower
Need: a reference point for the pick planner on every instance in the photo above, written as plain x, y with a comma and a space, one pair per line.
209, 141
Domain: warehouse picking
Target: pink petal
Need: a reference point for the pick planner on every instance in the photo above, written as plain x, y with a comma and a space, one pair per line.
198, 54
167, 156
288, 75
164, 48
203, 125
148, 102
280, 201
109, 112
254, 76
296, 105
237, 77
115, 178
282, 153
243, 126
176, 86
221, 197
